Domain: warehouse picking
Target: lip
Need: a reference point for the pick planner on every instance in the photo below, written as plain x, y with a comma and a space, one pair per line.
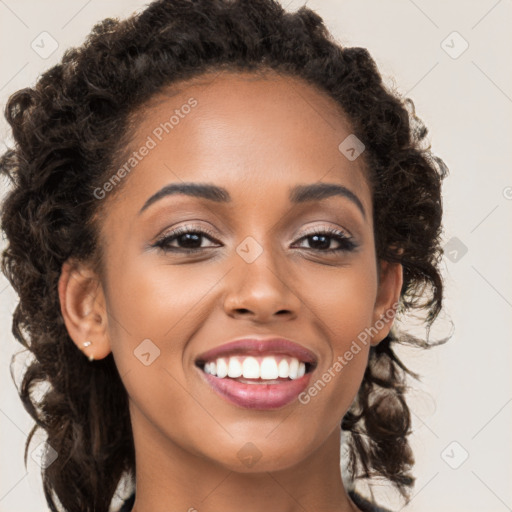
257, 396
260, 347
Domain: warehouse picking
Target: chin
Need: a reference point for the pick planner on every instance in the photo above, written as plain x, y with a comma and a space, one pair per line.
253, 457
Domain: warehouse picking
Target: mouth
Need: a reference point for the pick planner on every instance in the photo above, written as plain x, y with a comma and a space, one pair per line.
258, 374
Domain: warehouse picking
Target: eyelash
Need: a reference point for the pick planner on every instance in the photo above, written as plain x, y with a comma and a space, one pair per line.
346, 243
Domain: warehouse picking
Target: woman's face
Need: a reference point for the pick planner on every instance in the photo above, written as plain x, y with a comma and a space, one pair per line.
257, 270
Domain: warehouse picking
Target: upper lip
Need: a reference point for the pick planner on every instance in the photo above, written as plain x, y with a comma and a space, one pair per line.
252, 346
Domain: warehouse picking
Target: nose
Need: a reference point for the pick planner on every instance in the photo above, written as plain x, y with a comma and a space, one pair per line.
262, 290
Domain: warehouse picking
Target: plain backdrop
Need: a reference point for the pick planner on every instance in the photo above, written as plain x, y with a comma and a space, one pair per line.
453, 59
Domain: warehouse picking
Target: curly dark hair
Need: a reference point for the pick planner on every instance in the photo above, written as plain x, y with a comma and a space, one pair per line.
69, 130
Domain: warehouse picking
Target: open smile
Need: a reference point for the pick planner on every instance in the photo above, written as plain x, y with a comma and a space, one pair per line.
258, 374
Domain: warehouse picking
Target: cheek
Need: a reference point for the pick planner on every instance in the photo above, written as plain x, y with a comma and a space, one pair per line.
155, 310
343, 299
344, 309
158, 302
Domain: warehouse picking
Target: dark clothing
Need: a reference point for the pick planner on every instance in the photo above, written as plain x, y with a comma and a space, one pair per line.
128, 504
362, 503
365, 505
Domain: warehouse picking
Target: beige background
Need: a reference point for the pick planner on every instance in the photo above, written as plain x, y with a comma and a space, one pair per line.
466, 394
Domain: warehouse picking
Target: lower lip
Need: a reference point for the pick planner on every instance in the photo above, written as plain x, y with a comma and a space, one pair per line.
258, 396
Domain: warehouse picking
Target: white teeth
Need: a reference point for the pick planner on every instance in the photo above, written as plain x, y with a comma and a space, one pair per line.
234, 368
284, 369
266, 368
294, 368
251, 368
222, 367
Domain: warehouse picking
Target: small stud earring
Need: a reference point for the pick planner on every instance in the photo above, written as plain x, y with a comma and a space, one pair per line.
87, 344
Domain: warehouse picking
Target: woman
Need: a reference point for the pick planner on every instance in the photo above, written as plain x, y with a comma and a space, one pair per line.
223, 210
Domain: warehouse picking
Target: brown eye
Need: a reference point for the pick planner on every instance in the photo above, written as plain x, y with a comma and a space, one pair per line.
187, 240
321, 240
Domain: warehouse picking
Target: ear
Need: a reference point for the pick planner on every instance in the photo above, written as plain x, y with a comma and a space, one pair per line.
83, 307
388, 295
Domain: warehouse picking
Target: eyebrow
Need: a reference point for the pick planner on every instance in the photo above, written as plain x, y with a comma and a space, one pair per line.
298, 194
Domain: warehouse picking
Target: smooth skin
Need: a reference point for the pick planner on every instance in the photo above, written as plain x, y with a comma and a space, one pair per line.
257, 136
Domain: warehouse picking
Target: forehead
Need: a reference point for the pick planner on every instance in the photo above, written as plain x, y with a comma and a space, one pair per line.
245, 131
